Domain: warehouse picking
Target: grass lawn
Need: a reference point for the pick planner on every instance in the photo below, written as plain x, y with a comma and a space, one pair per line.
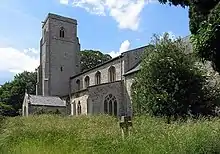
101, 134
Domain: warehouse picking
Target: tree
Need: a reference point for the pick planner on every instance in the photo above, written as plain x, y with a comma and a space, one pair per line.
91, 58
204, 25
171, 84
12, 93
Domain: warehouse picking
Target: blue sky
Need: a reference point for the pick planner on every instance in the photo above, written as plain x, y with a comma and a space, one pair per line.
111, 26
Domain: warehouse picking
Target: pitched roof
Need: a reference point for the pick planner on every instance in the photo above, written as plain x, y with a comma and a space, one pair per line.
46, 100
133, 70
138, 66
108, 61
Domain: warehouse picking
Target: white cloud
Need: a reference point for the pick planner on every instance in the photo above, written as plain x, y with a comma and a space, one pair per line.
124, 47
64, 2
113, 54
125, 12
16, 61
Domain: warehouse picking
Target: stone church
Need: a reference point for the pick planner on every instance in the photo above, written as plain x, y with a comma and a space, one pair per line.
104, 89
60, 84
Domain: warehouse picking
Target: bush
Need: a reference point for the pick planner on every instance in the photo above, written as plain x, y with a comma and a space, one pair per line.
171, 83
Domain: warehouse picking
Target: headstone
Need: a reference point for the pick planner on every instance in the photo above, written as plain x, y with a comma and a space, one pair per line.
125, 125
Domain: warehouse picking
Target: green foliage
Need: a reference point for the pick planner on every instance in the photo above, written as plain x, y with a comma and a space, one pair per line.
12, 93
182, 3
91, 58
205, 27
171, 84
101, 134
5, 109
44, 110
206, 39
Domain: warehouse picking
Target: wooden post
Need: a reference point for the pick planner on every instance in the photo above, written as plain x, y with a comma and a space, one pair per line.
125, 124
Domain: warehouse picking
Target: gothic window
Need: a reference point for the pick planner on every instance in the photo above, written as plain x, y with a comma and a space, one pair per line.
106, 107
115, 108
87, 81
79, 108
110, 105
62, 32
111, 74
78, 84
98, 78
61, 68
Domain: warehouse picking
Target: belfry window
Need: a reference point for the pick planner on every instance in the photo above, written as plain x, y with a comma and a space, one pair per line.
62, 32
111, 74
110, 105
98, 78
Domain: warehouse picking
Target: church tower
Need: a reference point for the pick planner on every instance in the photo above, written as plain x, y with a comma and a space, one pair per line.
59, 55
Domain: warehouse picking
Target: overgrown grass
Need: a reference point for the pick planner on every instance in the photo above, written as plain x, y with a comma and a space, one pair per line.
101, 134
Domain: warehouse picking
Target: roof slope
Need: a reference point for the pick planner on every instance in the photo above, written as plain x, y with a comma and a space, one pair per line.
185, 40
133, 70
46, 100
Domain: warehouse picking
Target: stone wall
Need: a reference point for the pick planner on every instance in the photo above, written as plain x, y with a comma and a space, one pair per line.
63, 54
103, 69
129, 80
92, 99
44, 60
97, 95
122, 64
82, 99
36, 109
59, 56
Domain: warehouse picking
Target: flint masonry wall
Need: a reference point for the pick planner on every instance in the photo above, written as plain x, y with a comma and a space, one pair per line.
97, 95
103, 69
36, 109
81, 98
59, 54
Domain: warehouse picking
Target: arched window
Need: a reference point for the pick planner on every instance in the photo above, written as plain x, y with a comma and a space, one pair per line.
111, 74
110, 105
78, 84
98, 78
87, 81
79, 109
62, 32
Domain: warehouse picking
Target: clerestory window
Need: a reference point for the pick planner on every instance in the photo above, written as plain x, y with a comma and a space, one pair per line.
111, 74
98, 78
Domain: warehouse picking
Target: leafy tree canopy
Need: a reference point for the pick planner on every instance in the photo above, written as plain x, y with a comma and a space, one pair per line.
12, 93
204, 25
91, 58
171, 84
